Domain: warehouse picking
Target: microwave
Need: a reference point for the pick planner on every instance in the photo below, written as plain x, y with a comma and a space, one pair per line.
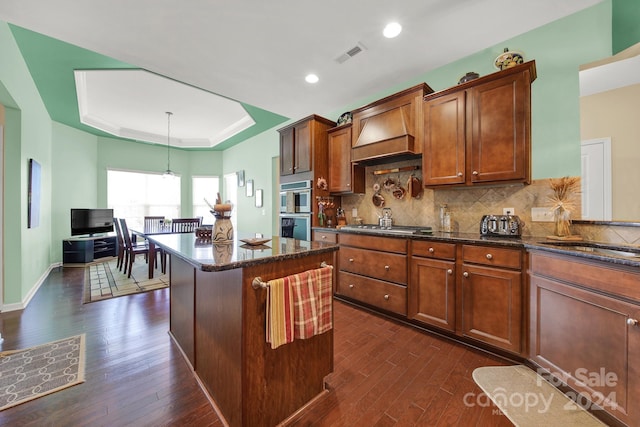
295, 197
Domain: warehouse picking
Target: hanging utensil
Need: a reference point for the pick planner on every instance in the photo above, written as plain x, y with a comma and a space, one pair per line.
416, 187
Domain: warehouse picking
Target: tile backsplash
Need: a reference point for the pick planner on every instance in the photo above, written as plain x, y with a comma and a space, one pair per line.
468, 204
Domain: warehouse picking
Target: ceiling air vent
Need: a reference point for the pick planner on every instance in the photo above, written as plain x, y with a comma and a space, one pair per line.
350, 53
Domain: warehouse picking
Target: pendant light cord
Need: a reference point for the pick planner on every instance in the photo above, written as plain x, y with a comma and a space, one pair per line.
169, 113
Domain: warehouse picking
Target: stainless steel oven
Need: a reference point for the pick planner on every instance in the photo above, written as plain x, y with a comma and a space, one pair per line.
295, 197
296, 225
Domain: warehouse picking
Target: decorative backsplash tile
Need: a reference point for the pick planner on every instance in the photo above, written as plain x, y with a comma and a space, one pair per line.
468, 204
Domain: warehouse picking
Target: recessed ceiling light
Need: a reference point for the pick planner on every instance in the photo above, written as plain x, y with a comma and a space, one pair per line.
311, 78
392, 30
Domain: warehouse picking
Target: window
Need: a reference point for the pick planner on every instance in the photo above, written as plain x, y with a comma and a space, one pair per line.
134, 195
204, 187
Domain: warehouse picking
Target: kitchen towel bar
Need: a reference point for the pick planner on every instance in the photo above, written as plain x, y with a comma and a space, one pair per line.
258, 283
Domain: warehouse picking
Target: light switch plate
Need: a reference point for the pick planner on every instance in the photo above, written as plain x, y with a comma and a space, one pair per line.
541, 215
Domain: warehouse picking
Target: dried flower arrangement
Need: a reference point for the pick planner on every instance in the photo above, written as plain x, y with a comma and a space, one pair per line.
564, 202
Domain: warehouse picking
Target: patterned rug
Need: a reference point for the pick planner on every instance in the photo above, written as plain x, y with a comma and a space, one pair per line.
37, 371
103, 280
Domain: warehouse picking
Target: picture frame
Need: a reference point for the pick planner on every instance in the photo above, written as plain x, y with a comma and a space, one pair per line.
240, 175
259, 196
249, 188
33, 195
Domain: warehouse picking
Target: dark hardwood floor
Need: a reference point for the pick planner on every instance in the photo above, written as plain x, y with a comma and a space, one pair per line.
386, 374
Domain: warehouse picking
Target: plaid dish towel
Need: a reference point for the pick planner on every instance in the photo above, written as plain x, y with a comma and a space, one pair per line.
279, 307
312, 301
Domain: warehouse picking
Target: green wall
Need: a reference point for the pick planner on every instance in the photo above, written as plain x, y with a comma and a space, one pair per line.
28, 134
626, 20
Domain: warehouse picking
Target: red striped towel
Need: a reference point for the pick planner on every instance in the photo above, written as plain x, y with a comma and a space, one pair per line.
299, 306
312, 302
279, 313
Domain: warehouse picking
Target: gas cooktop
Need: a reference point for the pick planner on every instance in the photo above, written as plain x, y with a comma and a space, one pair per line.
395, 229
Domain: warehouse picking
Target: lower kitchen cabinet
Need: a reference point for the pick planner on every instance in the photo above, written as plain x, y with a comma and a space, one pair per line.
491, 298
376, 277
432, 293
585, 331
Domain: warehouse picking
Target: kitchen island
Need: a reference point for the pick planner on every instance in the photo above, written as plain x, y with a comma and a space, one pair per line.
218, 320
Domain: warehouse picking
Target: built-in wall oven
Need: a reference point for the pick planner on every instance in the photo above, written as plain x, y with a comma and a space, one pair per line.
295, 225
295, 197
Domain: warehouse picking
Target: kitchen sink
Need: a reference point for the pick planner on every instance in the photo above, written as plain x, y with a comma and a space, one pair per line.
395, 229
598, 248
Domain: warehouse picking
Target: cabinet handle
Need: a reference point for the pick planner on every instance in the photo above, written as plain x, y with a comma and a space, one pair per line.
386, 267
351, 286
465, 274
460, 174
350, 259
431, 250
386, 297
475, 173
632, 322
450, 271
489, 256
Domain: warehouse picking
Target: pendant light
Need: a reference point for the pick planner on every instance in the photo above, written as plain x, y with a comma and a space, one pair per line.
168, 173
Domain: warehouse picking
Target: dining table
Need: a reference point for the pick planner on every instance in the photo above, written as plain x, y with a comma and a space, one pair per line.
145, 233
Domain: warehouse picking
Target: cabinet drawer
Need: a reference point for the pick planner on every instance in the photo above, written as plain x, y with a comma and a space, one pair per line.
388, 244
381, 265
491, 255
325, 236
434, 249
384, 295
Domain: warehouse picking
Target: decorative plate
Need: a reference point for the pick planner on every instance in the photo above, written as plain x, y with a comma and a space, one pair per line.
255, 241
508, 59
344, 118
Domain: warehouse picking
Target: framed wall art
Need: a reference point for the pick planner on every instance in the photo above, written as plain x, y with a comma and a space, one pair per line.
240, 174
33, 196
259, 198
249, 188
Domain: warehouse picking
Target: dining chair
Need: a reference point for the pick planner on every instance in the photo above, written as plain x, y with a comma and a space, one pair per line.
132, 249
185, 225
153, 224
121, 247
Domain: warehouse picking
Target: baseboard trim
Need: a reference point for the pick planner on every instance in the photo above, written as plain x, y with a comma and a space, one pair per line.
27, 299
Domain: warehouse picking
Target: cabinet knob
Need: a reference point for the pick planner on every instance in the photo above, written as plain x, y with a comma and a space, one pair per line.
460, 174
290, 169
324, 237
475, 173
431, 250
465, 274
632, 322
386, 297
450, 272
350, 259
348, 185
489, 256
351, 286
386, 267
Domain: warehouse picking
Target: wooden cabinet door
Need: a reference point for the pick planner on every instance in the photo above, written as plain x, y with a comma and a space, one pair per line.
498, 141
443, 159
302, 147
286, 152
490, 305
340, 160
578, 334
432, 293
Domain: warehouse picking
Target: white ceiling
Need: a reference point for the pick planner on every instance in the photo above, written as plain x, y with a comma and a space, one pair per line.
258, 52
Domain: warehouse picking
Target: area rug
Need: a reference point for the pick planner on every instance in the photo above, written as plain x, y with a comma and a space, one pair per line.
103, 280
527, 399
37, 371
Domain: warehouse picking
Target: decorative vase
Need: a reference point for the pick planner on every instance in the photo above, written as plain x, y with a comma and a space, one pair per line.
562, 222
222, 230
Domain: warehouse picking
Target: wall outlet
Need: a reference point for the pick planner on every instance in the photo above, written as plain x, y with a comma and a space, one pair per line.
508, 211
541, 215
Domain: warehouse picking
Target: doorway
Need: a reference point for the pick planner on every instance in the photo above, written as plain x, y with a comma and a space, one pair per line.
596, 179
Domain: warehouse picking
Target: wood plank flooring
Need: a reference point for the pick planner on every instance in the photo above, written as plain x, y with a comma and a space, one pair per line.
386, 374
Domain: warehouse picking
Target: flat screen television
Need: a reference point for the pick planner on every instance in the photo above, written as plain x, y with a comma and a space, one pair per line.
91, 221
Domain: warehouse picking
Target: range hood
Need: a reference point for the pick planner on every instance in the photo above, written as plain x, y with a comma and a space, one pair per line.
390, 129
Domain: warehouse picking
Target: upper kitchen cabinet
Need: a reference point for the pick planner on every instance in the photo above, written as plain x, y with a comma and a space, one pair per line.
303, 148
389, 127
344, 177
479, 132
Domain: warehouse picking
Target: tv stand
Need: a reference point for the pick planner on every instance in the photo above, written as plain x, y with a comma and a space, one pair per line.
85, 249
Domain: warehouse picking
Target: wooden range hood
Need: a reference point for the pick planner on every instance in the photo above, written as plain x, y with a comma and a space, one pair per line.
389, 128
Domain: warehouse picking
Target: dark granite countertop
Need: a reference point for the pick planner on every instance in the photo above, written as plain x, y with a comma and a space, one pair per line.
628, 255
209, 256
